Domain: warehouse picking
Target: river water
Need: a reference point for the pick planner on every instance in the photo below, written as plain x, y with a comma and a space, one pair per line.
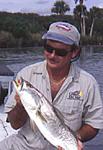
90, 60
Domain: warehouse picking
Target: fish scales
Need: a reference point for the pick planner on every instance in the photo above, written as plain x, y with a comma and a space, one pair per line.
45, 116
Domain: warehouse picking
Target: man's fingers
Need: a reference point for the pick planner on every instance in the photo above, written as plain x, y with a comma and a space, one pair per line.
80, 145
59, 148
17, 98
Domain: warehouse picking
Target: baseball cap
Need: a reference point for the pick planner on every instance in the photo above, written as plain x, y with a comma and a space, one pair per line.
63, 32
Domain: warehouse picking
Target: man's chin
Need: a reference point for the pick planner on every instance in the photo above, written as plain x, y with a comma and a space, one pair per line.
52, 64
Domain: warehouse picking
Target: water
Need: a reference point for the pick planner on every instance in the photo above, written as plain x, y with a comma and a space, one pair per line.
93, 63
90, 60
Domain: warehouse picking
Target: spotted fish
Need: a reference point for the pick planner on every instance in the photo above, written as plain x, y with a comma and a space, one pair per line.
45, 116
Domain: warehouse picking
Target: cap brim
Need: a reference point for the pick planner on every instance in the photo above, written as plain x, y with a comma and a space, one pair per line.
57, 37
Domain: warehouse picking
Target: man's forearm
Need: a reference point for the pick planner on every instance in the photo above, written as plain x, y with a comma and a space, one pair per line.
87, 132
17, 116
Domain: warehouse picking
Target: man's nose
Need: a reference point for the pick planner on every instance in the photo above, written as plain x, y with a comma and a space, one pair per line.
53, 53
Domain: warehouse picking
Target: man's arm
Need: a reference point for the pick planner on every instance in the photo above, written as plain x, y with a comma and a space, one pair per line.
17, 116
87, 132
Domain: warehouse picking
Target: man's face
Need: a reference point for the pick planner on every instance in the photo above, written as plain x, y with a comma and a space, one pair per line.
57, 54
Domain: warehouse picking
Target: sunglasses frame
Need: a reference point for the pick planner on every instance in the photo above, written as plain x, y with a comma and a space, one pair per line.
58, 52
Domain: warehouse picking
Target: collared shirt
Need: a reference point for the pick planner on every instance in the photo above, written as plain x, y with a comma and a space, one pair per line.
78, 100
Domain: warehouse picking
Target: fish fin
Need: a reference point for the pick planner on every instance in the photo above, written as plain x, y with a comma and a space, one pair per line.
23, 83
38, 113
33, 125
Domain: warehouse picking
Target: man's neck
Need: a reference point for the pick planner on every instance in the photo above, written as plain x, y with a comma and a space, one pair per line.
58, 74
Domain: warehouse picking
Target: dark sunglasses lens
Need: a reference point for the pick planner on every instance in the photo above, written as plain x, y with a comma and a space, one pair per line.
61, 53
58, 52
48, 48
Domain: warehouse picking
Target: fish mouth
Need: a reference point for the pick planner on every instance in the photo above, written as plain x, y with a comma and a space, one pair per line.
18, 84
15, 84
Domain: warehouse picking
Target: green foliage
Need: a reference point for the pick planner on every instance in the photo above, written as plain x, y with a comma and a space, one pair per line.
95, 40
60, 7
26, 30
96, 12
6, 39
78, 10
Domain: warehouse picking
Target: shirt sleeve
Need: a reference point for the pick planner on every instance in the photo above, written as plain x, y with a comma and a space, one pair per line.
11, 102
93, 109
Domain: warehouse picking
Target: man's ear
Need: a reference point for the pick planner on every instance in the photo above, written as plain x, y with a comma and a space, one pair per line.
76, 53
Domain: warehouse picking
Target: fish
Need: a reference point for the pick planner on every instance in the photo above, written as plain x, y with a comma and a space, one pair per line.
45, 116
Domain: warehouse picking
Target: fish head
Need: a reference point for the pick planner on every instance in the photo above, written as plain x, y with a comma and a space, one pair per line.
27, 94
19, 84
26, 89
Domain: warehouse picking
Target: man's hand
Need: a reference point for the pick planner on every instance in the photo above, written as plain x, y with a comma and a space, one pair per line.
17, 98
59, 148
17, 116
80, 146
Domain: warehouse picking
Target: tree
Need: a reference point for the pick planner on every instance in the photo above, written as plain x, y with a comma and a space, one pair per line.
80, 13
60, 7
6, 39
94, 14
80, 1
82, 16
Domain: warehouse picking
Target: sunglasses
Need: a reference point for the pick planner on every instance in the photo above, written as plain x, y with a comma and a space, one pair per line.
58, 52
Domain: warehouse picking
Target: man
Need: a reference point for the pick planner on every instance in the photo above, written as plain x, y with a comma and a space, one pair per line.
70, 89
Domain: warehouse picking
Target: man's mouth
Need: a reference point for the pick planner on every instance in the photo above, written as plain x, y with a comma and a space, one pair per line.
53, 61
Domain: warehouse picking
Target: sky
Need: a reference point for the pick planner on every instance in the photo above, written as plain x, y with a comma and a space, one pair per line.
41, 7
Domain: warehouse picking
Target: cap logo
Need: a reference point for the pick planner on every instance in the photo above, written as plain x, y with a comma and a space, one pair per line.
64, 27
